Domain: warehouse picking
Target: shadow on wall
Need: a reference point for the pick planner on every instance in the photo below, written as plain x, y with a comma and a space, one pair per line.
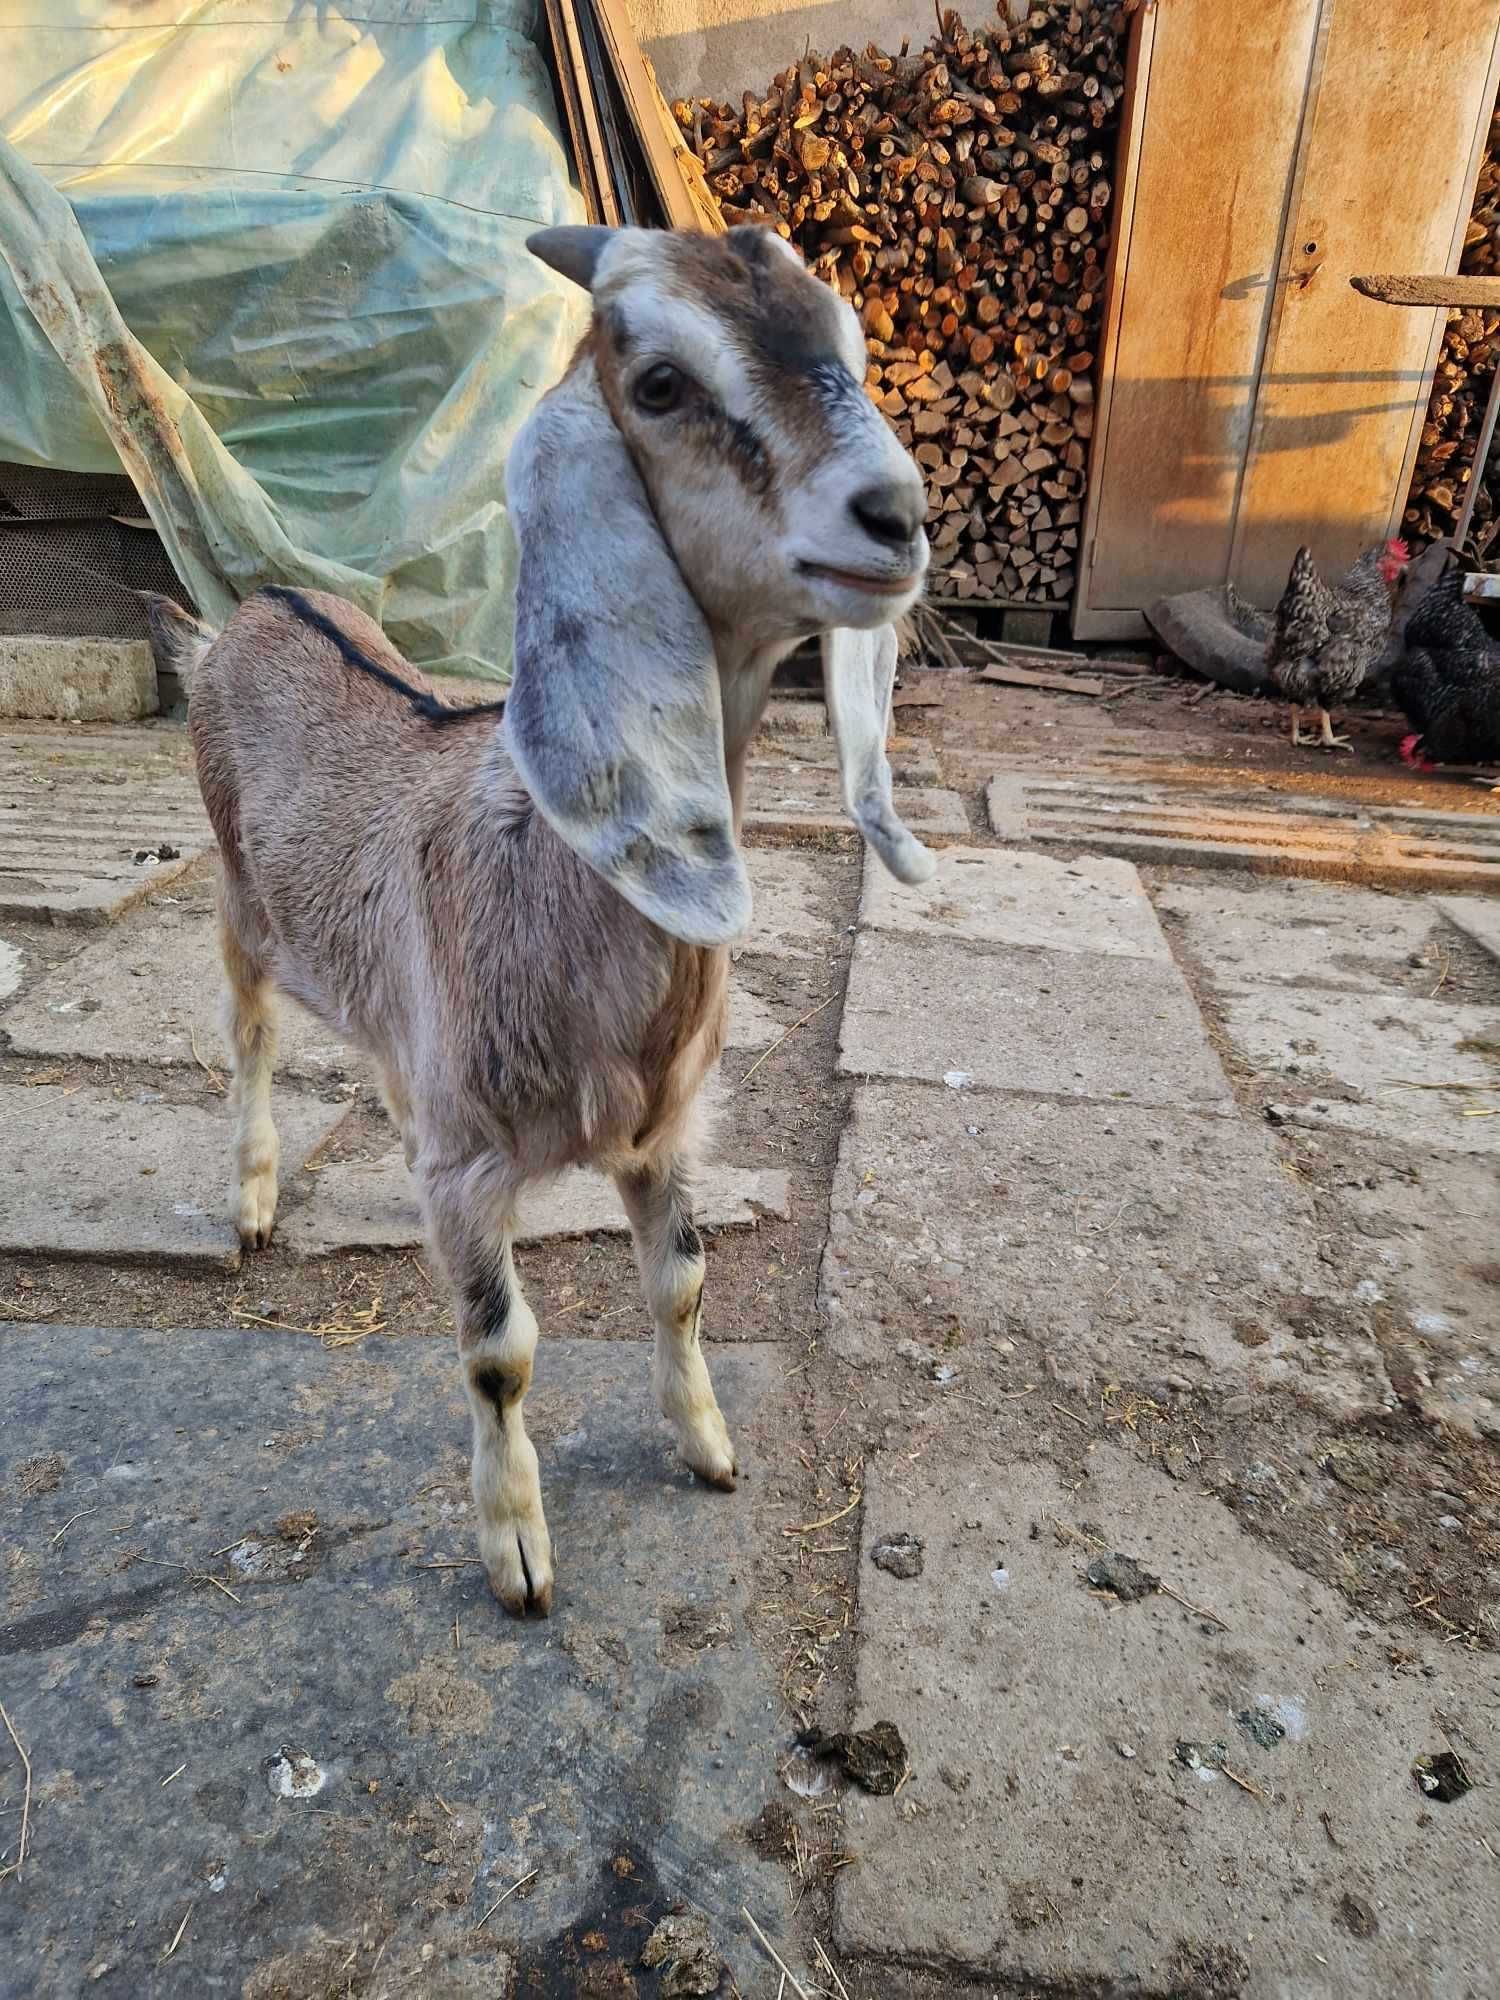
1187, 458
721, 48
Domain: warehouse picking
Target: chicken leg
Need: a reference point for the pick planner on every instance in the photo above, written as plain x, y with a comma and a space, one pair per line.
1327, 741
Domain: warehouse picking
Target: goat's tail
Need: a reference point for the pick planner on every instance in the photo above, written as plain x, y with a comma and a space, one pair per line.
178, 641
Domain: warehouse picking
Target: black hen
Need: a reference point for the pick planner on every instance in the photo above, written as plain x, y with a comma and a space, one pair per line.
1448, 679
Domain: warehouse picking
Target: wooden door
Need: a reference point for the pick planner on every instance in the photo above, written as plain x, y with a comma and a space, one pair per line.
1249, 399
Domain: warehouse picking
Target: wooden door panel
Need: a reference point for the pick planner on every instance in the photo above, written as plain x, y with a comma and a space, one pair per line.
1218, 124
1398, 100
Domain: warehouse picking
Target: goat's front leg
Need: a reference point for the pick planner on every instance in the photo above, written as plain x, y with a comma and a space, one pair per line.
469, 1214
669, 1251
397, 1101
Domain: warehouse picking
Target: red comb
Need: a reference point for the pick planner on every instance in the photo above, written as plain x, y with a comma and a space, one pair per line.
1399, 550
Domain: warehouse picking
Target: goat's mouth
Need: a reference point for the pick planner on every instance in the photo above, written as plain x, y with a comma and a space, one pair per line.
858, 579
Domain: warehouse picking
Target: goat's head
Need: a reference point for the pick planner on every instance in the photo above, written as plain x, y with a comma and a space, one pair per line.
736, 379
707, 485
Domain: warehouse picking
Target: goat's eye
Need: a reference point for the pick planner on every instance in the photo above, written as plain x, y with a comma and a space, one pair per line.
659, 389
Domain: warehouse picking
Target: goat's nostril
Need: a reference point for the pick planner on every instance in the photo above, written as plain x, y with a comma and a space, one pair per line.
891, 513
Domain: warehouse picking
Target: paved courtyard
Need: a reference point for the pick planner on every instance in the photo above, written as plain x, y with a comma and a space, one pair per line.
1104, 1292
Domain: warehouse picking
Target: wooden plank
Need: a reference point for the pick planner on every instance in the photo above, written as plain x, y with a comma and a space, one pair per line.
1344, 389
1213, 124
1127, 179
1026, 677
654, 126
1043, 659
577, 67
572, 103
709, 218
1389, 290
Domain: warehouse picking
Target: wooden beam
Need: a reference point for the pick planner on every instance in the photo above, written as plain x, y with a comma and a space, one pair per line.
572, 63
1389, 289
1054, 683
686, 204
709, 217
573, 113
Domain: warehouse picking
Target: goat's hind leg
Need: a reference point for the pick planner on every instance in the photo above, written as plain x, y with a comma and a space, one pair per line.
250, 1027
669, 1251
468, 1212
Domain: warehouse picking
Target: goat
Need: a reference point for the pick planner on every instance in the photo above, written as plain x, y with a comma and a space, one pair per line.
524, 918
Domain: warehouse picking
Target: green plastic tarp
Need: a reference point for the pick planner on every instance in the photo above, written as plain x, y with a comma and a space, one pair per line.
269, 256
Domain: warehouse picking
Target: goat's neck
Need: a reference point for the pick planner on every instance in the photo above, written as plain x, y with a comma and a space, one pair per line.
745, 671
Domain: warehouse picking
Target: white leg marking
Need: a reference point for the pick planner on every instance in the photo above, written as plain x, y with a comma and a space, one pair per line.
669, 1252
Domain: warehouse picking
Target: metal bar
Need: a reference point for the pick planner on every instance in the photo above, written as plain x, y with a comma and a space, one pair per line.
1481, 460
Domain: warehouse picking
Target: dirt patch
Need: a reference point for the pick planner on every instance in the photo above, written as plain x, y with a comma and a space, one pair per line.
1166, 726
690, 1630
325, 1968
437, 1700
41, 1474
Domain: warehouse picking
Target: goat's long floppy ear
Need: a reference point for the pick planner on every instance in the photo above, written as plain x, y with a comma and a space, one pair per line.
613, 719
859, 671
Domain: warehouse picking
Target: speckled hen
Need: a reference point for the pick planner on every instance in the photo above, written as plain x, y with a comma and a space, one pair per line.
1326, 637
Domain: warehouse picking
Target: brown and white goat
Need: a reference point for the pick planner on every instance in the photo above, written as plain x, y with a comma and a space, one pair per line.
525, 920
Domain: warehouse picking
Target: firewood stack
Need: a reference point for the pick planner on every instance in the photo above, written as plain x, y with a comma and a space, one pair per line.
960, 199
1471, 352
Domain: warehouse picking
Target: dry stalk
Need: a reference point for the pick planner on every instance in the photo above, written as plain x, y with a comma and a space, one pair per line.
16, 1866
814, 1527
775, 1956
766, 1057
506, 1897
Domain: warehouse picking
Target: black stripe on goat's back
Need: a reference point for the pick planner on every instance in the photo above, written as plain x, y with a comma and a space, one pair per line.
426, 705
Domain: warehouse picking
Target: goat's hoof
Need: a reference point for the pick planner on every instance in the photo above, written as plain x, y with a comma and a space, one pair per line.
711, 1457
255, 1202
519, 1567
723, 1480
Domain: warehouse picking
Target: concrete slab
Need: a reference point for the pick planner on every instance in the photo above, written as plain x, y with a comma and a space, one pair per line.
789, 715
913, 759
1477, 917
150, 997
1374, 1066
1052, 1834
88, 1173
92, 819
1295, 933
12, 964
752, 1023
1027, 1020
1420, 1240
372, 1205
993, 896
75, 680
1103, 1243
1203, 827
791, 917
346, 1762
786, 802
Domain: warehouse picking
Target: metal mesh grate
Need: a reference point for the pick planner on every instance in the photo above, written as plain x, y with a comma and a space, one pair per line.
65, 539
